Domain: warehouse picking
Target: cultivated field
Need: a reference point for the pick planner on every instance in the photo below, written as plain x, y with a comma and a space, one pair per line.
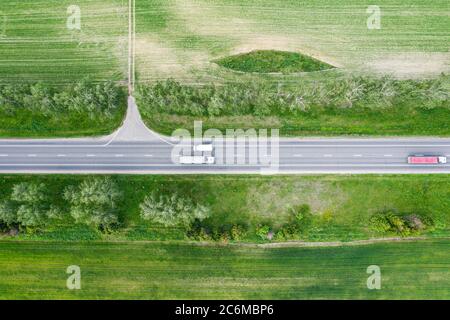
180, 38
36, 45
416, 270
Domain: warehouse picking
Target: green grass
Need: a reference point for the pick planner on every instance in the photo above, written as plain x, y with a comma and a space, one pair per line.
341, 205
43, 110
27, 124
396, 122
270, 61
37, 270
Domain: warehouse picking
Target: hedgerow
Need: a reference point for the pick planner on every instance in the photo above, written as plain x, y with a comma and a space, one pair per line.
265, 98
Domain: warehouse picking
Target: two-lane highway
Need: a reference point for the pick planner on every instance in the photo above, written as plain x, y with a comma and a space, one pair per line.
295, 156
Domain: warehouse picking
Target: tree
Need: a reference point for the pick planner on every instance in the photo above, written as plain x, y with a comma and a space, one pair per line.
30, 215
29, 192
171, 211
94, 202
8, 215
31, 203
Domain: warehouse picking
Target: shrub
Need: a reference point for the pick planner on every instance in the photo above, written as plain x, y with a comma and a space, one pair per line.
172, 211
8, 214
404, 225
238, 232
262, 231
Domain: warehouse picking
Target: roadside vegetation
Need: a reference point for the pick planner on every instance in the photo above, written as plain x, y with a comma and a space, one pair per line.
351, 105
225, 208
272, 61
41, 110
136, 270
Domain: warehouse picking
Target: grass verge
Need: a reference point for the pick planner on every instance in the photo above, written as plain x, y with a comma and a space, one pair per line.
341, 206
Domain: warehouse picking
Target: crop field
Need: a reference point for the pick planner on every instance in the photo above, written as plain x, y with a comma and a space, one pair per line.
37, 45
415, 270
180, 38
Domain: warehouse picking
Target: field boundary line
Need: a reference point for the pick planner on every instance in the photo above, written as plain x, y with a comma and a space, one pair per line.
273, 245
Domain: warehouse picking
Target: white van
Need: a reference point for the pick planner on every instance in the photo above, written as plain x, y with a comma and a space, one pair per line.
203, 148
197, 160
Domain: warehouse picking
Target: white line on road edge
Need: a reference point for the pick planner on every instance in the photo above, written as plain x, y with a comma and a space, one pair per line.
332, 165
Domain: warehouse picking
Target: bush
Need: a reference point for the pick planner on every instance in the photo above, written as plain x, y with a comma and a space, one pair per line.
94, 202
8, 214
172, 211
404, 225
262, 231
299, 219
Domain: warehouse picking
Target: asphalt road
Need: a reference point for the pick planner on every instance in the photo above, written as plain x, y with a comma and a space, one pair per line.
295, 156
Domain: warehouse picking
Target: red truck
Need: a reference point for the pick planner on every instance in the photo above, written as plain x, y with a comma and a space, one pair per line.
427, 159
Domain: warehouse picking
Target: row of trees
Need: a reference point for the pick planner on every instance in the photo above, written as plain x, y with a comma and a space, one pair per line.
94, 99
93, 202
263, 98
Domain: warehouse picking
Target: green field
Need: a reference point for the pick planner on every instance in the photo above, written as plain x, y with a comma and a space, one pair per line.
37, 270
341, 206
180, 38
36, 45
